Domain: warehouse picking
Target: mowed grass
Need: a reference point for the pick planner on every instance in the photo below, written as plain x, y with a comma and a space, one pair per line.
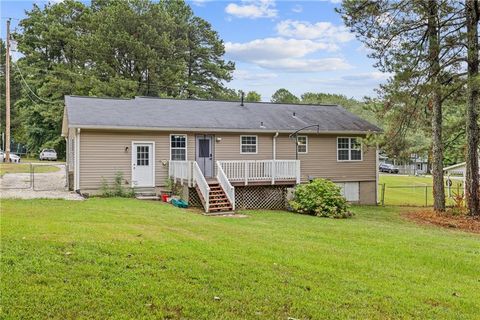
25, 168
412, 190
125, 259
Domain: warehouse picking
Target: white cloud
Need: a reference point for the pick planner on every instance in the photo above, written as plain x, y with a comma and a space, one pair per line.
253, 75
375, 76
286, 55
333, 1
305, 65
252, 9
297, 9
274, 48
199, 3
324, 31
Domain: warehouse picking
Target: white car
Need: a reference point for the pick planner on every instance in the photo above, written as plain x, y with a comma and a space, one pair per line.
48, 154
13, 157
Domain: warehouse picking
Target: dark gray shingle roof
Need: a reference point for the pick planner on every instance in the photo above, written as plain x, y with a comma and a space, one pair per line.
157, 113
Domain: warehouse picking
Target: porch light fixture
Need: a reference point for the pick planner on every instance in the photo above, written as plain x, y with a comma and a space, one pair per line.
126, 149
218, 139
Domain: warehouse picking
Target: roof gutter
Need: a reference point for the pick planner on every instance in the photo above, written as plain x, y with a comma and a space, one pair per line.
274, 131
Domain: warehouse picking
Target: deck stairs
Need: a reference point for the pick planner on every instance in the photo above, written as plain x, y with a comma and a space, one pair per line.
219, 202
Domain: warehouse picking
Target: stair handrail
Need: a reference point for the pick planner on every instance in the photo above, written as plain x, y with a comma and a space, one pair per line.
200, 181
226, 185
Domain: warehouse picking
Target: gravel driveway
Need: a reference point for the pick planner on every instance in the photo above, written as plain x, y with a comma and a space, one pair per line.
49, 185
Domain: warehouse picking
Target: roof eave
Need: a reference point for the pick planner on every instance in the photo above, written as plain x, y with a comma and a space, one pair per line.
134, 128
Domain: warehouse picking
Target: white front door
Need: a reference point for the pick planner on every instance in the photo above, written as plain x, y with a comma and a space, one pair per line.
143, 169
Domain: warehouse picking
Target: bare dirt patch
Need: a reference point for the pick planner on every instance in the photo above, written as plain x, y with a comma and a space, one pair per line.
429, 217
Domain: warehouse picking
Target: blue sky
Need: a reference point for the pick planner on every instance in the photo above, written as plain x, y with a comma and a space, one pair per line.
299, 45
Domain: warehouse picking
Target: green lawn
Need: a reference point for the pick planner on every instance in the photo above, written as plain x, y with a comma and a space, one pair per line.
25, 168
412, 190
124, 259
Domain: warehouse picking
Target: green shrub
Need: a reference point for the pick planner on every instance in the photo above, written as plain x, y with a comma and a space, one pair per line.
118, 189
320, 198
105, 189
173, 187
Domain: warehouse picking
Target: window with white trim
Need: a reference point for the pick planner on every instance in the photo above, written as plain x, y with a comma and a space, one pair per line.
349, 149
178, 147
248, 144
302, 144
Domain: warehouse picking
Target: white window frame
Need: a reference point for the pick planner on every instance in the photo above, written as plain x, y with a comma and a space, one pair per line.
170, 145
350, 150
306, 145
256, 143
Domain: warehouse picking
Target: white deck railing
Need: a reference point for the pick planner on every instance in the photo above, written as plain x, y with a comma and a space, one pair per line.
180, 171
244, 171
200, 181
226, 185
261, 170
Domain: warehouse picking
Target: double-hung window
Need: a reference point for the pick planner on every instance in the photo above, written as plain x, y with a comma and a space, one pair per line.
248, 144
349, 149
302, 144
178, 147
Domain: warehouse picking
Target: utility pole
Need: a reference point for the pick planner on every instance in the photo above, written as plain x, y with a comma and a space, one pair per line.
7, 96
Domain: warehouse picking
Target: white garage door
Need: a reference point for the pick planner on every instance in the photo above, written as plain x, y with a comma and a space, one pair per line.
350, 190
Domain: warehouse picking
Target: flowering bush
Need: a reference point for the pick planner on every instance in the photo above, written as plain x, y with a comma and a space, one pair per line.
320, 198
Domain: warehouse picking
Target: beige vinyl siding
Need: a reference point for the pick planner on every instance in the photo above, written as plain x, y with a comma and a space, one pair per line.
102, 154
71, 149
321, 159
228, 148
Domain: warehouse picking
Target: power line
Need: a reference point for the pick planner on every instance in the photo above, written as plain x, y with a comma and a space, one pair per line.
28, 87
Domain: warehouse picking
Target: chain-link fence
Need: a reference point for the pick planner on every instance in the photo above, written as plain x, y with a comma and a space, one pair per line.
415, 195
44, 177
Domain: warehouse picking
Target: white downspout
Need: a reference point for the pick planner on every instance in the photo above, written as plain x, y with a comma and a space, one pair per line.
275, 145
77, 160
67, 162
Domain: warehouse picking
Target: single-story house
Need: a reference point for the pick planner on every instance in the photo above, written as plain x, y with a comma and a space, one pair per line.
226, 154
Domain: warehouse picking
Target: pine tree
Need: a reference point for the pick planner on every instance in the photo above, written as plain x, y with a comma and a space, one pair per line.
472, 12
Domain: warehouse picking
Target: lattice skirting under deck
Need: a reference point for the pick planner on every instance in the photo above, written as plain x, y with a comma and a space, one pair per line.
261, 197
194, 198
251, 197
